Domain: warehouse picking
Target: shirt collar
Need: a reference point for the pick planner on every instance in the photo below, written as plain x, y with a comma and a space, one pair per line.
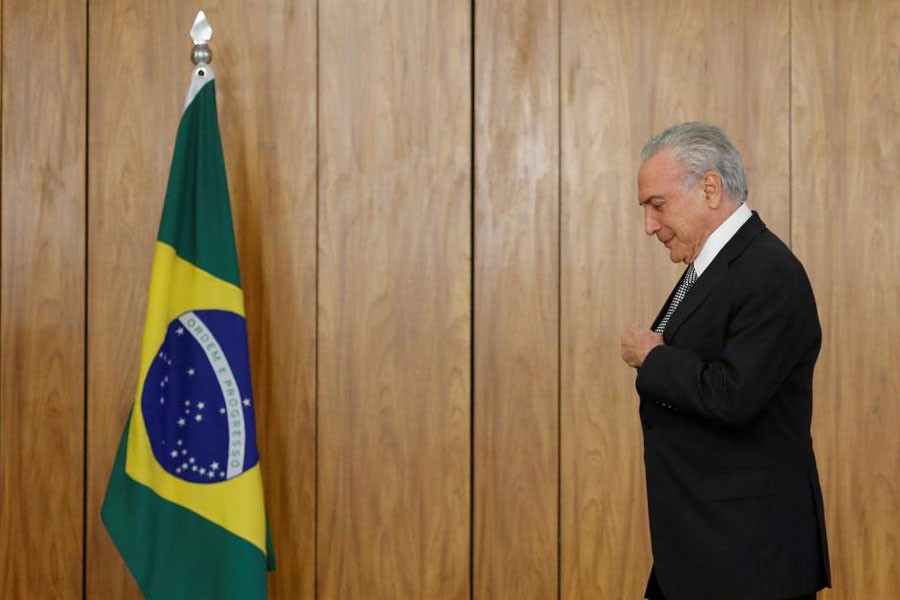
721, 236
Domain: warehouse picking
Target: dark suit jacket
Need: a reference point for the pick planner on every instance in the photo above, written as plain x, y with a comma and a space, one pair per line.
733, 492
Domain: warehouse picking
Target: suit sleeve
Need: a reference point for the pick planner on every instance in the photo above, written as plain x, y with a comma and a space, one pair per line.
772, 328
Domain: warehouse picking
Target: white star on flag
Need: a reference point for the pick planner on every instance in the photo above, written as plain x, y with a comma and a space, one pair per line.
246, 401
182, 422
198, 418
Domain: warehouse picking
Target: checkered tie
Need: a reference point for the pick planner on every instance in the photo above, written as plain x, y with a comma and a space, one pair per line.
686, 283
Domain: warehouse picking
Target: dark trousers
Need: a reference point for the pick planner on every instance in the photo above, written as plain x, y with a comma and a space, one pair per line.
655, 593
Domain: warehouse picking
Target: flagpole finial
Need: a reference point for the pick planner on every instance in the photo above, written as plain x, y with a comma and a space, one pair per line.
201, 33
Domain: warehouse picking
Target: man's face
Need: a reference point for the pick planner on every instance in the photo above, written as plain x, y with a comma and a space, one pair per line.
678, 218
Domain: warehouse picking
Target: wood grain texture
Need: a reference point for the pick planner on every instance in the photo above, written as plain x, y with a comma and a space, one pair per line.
516, 301
394, 299
265, 59
42, 303
630, 69
846, 221
140, 70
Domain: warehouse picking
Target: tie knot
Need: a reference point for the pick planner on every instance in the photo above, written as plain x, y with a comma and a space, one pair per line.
691, 275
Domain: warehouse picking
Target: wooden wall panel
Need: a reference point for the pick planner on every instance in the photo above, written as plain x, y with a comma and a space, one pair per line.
630, 69
42, 302
394, 299
846, 222
516, 306
265, 60
139, 73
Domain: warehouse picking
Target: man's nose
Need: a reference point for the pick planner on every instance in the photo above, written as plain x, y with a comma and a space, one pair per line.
651, 226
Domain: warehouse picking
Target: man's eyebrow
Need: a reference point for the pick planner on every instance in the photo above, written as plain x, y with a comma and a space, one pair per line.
650, 199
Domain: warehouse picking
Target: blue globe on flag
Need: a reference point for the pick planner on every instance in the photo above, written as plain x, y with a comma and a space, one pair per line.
197, 402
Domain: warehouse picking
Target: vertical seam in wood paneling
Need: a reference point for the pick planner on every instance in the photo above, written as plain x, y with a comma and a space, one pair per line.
559, 274
316, 313
84, 324
472, 230
791, 124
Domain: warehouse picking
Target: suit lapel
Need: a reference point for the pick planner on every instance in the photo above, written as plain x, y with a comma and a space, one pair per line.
713, 274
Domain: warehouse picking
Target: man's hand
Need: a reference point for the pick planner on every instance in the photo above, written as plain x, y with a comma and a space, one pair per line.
637, 343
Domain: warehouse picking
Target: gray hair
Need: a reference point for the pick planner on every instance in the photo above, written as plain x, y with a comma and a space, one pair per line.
701, 148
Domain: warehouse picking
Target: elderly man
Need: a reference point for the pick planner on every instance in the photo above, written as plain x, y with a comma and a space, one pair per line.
725, 383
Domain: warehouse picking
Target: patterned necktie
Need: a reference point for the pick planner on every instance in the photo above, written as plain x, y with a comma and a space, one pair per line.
686, 283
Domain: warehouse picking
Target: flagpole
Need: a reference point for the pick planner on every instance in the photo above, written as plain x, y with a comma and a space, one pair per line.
201, 33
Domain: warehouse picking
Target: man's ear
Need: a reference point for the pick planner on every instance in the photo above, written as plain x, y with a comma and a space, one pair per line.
711, 184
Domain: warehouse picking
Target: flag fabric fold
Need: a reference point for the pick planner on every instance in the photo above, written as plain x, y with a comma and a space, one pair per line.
184, 505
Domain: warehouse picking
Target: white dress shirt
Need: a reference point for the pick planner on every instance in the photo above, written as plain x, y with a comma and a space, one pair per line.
721, 236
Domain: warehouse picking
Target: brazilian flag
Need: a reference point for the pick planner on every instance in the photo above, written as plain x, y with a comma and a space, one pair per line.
184, 504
